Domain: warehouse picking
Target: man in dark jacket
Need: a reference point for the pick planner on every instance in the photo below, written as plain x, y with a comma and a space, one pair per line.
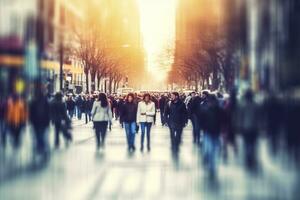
59, 118
176, 117
79, 106
162, 104
39, 117
70, 106
128, 116
193, 110
212, 129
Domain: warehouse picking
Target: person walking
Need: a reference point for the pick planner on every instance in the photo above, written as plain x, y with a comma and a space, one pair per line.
128, 116
145, 116
193, 107
248, 120
60, 119
177, 118
39, 117
16, 117
79, 106
70, 106
3, 126
101, 115
162, 104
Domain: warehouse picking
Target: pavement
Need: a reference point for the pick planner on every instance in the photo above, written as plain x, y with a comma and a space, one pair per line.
80, 172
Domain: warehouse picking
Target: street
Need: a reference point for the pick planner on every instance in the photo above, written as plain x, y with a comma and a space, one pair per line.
79, 172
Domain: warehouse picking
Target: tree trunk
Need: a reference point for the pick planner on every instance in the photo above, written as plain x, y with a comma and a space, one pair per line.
98, 82
87, 81
110, 85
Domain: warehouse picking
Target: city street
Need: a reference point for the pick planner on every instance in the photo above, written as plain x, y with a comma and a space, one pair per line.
79, 172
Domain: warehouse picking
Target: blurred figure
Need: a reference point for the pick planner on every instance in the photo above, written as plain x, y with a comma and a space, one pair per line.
3, 126
177, 118
119, 110
162, 104
102, 115
87, 108
230, 112
70, 106
60, 119
39, 117
193, 107
128, 116
212, 130
145, 116
248, 123
79, 106
155, 101
274, 122
16, 117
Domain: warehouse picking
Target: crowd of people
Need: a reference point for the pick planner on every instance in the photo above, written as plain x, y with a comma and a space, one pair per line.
216, 120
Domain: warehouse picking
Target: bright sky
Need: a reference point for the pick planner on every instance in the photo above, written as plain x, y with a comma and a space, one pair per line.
158, 31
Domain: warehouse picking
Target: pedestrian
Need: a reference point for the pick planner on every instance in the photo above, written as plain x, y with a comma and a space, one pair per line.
128, 116
40, 119
193, 108
101, 115
3, 125
60, 119
16, 117
177, 118
212, 131
162, 104
79, 106
70, 106
145, 116
155, 101
248, 122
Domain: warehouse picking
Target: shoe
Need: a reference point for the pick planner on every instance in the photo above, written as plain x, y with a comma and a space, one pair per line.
142, 148
149, 149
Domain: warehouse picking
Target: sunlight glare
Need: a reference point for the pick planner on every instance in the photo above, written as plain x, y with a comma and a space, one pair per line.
158, 32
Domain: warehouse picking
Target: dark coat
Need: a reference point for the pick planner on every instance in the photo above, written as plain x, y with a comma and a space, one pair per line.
39, 112
128, 112
58, 111
176, 114
70, 104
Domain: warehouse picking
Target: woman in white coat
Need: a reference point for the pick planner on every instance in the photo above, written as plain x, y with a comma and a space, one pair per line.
145, 116
102, 115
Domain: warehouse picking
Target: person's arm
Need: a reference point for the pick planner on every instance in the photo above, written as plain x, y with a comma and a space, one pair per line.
109, 114
152, 111
93, 112
138, 114
184, 114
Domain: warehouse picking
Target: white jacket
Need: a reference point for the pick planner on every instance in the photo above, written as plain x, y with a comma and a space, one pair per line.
148, 109
100, 114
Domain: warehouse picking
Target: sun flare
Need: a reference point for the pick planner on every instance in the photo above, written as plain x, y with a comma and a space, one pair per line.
158, 32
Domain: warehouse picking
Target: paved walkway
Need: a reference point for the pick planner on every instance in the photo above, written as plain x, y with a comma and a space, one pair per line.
79, 172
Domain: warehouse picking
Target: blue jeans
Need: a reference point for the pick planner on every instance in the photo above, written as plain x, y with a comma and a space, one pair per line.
145, 127
130, 129
210, 149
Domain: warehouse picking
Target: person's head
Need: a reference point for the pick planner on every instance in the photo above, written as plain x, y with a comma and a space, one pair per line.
130, 97
146, 97
205, 94
193, 94
103, 99
174, 96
